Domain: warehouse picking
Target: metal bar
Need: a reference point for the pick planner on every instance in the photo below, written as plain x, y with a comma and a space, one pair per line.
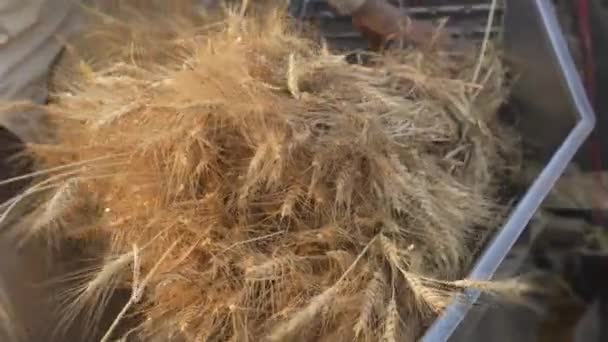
445, 325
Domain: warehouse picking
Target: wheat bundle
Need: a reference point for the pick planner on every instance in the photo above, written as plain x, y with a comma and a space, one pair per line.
247, 184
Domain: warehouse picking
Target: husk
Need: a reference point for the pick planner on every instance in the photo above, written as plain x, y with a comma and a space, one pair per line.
250, 185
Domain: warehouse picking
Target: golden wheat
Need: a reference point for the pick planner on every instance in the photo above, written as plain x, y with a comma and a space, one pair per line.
274, 189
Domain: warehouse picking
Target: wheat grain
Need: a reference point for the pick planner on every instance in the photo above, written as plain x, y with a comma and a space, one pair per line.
291, 198
373, 297
56, 206
292, 78
392, 323
304, 317
345, 186
267, 270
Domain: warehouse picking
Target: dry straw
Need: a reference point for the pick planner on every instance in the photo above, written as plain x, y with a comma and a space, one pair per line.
277, 192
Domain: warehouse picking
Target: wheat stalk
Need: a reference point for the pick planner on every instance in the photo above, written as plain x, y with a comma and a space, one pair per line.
92, 296
305, 316
392, 322
138, 287
291, 198
57, 206
292, 77
372, 297
267, 270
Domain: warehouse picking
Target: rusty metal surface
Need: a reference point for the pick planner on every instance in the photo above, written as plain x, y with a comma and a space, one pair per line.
466, 19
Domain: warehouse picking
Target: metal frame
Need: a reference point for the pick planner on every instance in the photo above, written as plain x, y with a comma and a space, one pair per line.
550, 50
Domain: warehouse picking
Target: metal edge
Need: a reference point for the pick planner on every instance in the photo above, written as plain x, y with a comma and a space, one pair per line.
496, 251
